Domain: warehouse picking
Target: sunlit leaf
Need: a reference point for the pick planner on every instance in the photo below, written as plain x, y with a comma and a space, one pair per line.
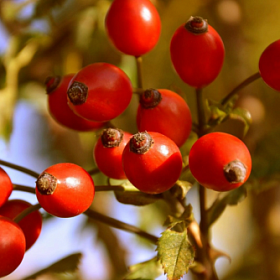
180, 189
175, 253
67, 264
148, 270
136, 198
230, 198
185, 219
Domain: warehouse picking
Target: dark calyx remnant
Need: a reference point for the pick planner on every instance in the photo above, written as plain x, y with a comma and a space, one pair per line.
141, 142
78, 93
111, 137
235, 172
150, 98
52, 83
197, 25
46, 183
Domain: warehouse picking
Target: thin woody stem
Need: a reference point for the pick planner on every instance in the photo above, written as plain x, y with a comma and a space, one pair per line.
120, 225
23, 188
200, 111
100, 188
139, 72
26, 212
246, 82
20, 168
93, 171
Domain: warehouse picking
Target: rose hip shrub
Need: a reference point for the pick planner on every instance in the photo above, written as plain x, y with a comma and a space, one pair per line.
145, 114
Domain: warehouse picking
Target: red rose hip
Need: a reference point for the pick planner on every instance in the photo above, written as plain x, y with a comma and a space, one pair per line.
108, 152
166, 112
99, 92
31, 224
12, 246
152, 162
65, 190
133, 26
58, 105
220, 161
197, 52
6, 186
269, 65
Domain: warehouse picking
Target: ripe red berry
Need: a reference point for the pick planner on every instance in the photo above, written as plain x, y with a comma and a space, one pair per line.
12, 246
269, 65
31, 224
6, 186
133, 26
108, 152
166, 112
65, 190
57, 101
197, 52
99, 92
152, 162
220, 161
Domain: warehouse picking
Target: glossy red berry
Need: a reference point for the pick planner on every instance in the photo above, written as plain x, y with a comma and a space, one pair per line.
6, 186
166, 112
58, 105
108, 152
220, 161
133, 26
197, 52
152, 162
65, 190
12, 246
269, 65
31, 224
99, 92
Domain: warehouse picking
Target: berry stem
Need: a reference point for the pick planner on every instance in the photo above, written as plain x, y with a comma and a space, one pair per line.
203, 253
93, 171
101, 188
109, 188
243, 84
120, 225
26, 212
201, 117
20, 168
23, 188
139, 72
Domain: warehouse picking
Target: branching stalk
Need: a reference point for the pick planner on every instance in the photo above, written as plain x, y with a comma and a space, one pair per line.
240, 86
20, 168
120, 225
139, 72
26, 212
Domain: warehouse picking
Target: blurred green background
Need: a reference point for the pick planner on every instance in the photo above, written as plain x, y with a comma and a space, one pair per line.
39, 38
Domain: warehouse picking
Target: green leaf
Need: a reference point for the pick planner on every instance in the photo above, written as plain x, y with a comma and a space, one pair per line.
136, 198
175, 253
234, 124
43, 7
180, 189
185, 219
67, 264
148, 270
229, 198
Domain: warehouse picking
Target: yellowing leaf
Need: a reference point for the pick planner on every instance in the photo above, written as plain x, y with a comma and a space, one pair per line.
147, 270
175, 253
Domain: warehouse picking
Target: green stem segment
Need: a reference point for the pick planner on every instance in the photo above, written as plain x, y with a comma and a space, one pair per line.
120, 225
240, 86
139, 72
201, 116
23, 188
203, 253
26, 212
20, 168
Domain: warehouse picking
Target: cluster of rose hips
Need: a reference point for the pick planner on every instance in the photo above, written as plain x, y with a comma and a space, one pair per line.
151, 159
